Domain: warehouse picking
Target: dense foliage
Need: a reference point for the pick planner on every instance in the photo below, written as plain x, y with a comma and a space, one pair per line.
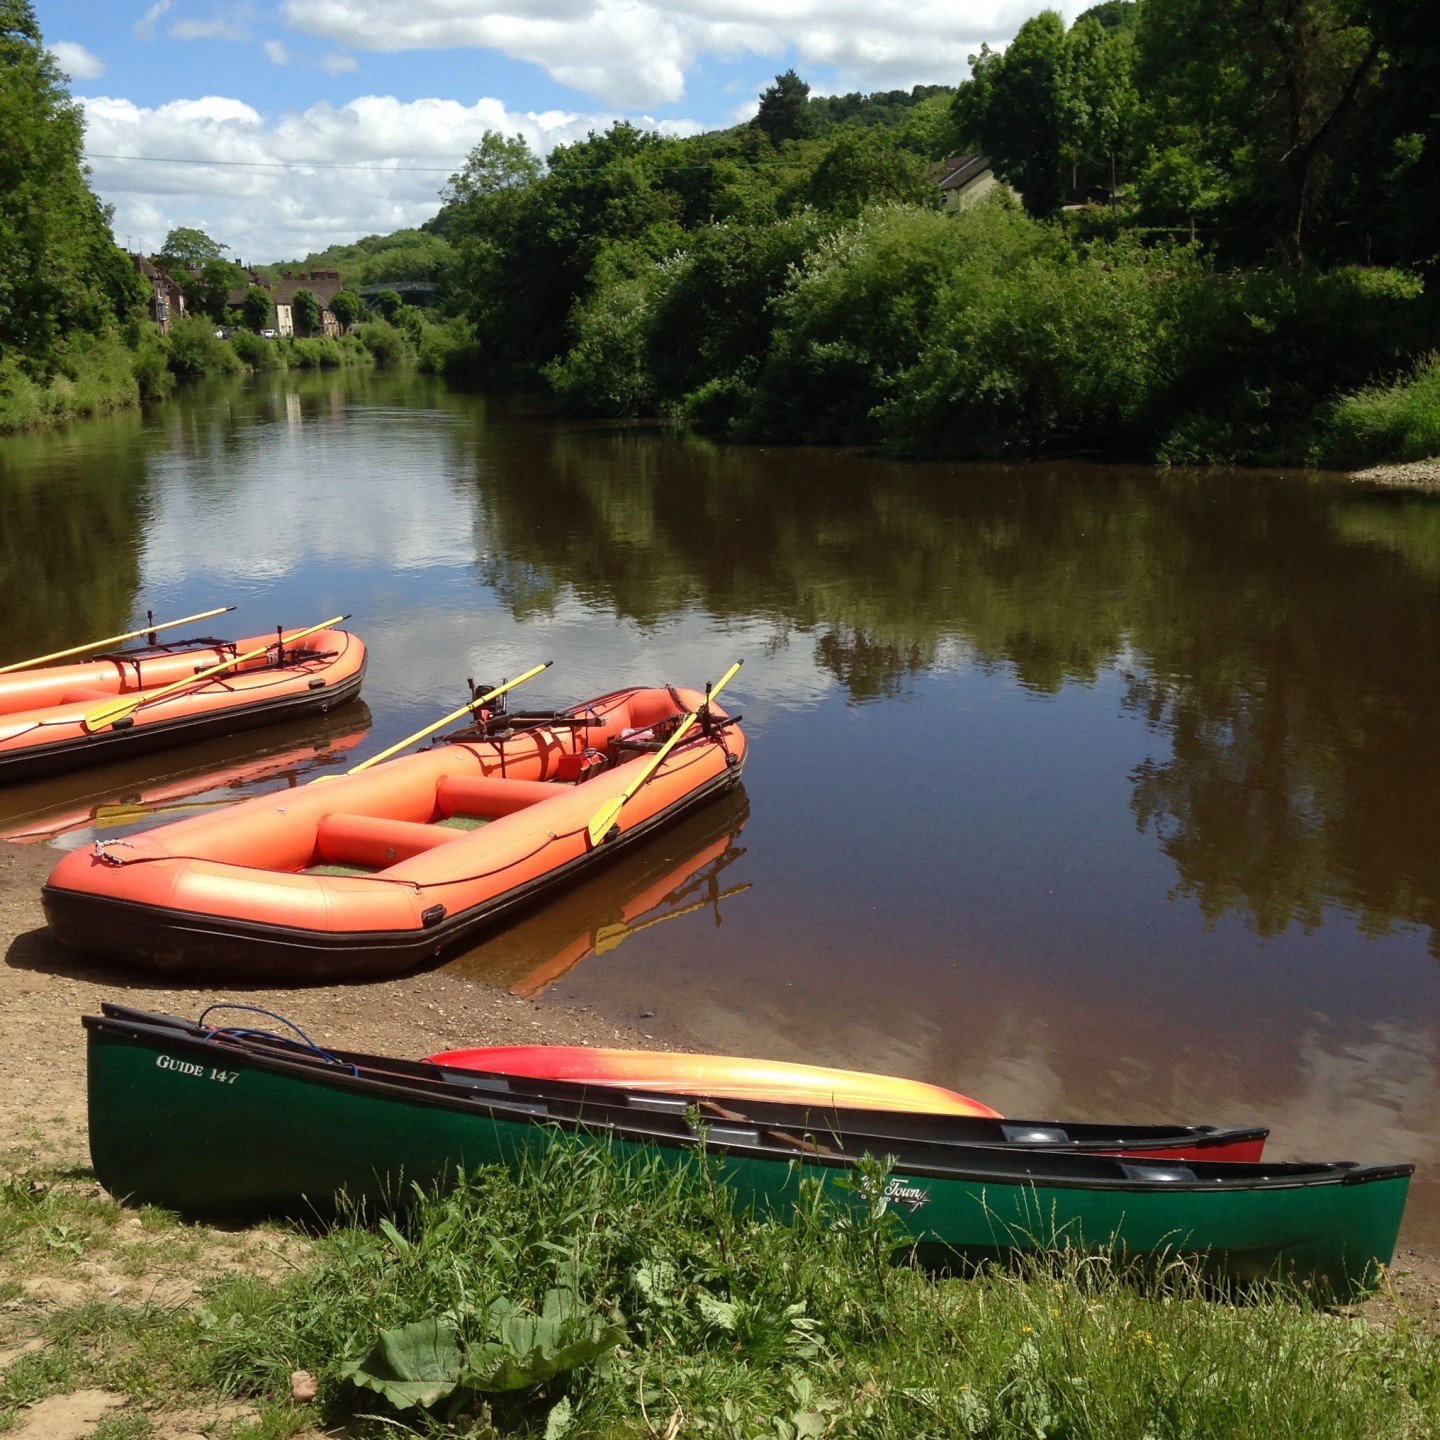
61, 276
1199, 272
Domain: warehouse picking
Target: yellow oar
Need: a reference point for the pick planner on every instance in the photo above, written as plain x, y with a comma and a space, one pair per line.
113, 710
114, 640
449, 719
608, 814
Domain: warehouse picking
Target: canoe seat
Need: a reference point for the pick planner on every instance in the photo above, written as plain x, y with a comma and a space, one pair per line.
374, 840
488, 796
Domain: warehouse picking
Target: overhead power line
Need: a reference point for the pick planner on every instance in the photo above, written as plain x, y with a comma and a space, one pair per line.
272, 164
385, 169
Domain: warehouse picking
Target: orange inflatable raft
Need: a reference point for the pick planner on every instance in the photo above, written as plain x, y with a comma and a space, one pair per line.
377, 871
60, 717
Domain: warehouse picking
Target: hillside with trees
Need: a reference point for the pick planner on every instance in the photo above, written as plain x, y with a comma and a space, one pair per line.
1215, 242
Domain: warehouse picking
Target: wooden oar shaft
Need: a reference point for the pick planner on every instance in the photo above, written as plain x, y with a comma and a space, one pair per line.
466, 709
609, 813
113, 640
113, 710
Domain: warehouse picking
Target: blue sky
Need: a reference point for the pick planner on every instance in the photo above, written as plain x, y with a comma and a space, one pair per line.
281, 126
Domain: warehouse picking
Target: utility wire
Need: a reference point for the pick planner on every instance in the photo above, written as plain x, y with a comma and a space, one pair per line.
426, 169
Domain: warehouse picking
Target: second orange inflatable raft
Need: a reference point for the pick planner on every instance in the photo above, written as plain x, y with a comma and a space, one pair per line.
373, 873
48, 713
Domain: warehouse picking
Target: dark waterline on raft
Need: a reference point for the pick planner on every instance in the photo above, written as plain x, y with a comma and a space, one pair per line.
1106, 793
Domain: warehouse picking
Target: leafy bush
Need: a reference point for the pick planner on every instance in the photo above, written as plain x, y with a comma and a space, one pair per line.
384, 341
152, 364
443, 346
319, 352
1386, 423
90, 374
1257, 359
1044, 348
857, 310
194, 350
255, 351
715, 318
605, 371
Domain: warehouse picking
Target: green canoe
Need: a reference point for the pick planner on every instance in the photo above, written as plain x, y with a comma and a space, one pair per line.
239, 1124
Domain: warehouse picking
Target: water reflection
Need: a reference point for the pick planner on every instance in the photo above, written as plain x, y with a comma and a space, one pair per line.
68, 811
679, 874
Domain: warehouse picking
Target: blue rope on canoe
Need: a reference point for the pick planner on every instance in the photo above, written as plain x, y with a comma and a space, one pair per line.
242, 1033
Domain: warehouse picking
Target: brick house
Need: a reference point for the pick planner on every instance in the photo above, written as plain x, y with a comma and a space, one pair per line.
167, 302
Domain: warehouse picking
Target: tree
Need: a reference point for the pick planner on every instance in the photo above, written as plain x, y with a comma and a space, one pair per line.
60, 270
1101, 103
388, 303
1016, 106
498, 163
185, 248
784, 109
207, 290
306, 309
255, 308
346, 306
1264, 93
867, 167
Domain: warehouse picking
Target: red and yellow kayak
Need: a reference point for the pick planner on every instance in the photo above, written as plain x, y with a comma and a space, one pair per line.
887, 1107
725, 1076
376, 871
48, 713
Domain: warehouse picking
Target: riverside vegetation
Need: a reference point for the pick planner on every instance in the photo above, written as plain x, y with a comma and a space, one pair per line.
589, 1297
1219, 247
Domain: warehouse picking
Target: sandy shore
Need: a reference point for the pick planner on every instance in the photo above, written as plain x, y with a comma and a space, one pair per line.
44, 990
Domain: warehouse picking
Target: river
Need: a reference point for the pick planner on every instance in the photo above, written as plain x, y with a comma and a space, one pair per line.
1091, 791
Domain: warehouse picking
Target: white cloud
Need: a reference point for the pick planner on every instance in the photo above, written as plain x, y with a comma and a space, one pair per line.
276, 52
76, 61
145, 25
637, 52
217, 29
337, 64
377, 165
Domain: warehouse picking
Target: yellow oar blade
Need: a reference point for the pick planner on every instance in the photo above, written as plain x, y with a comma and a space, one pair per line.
113, 640
468, 708
608, 815
113, 710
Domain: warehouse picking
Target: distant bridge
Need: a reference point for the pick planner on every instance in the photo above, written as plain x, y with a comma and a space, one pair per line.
407, 290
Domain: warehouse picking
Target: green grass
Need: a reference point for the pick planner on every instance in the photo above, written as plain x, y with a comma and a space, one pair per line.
92, 375
1387, 424
730, 1327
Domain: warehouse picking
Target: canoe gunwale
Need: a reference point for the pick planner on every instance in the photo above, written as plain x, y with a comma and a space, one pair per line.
175, 941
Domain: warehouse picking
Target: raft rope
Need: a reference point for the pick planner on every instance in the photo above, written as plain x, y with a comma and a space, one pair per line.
239, 1032
303, 660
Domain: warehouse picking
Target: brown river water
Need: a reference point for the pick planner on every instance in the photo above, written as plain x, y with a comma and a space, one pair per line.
1092, 791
